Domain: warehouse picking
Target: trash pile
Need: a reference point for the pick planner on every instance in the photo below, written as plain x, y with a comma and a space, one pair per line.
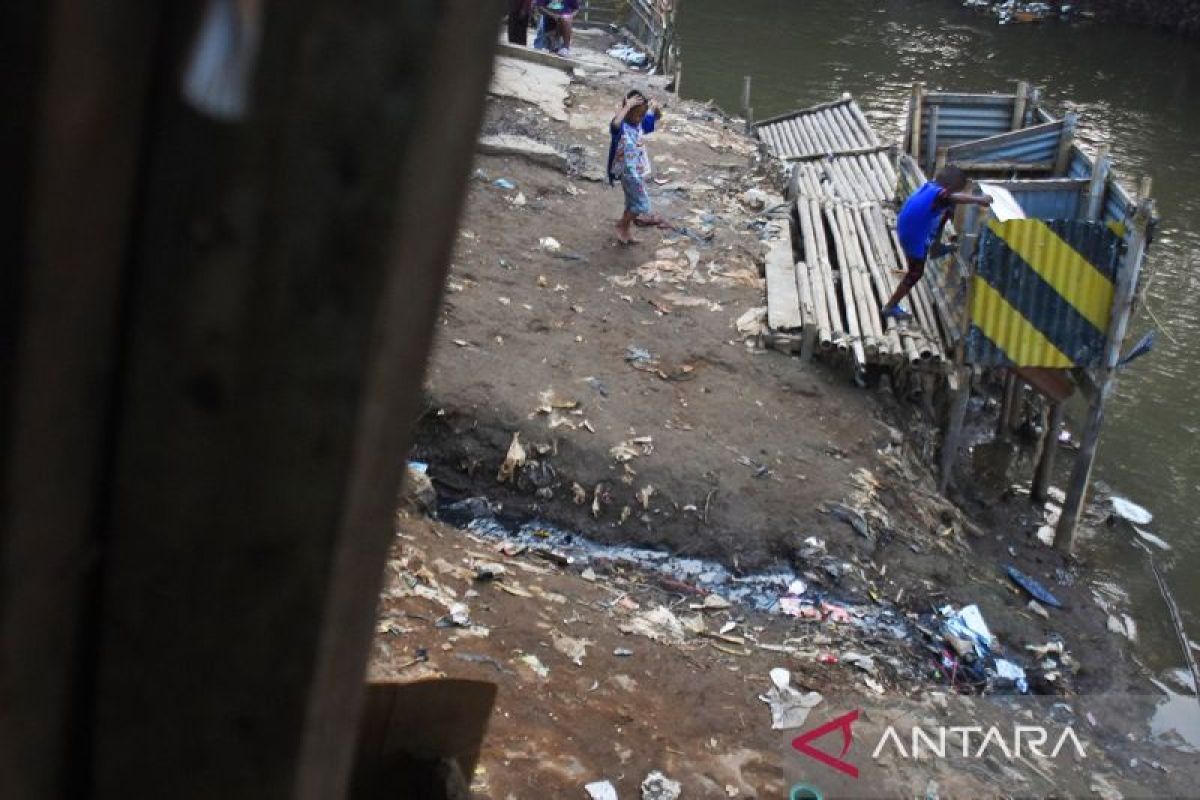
1011, 11
971, 660
630, 56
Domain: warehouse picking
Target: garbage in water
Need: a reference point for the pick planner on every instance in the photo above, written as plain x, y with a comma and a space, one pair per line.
1150, 538
1035, 589
1130, 511
657, 786
601, 790
789, 707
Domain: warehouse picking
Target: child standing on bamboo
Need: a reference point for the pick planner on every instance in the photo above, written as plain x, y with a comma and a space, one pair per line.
628, 162
920, 223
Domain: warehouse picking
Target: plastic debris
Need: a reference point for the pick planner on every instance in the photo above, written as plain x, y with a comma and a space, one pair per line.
549, 244
658, 624
1038, 609
601, 790
535, 664
968, 624
513, 460
504, 183
657, 786
789, 707
1035, 589
1009, 671
1128, 510
752, 322
574, 649
628, 55
1146, 536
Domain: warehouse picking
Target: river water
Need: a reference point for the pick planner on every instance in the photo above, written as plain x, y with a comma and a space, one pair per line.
1137, 90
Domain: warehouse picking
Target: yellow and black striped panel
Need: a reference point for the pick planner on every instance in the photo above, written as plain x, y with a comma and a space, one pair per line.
1043, 293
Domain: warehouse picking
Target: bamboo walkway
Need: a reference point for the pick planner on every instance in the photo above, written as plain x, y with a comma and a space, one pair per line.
826, 286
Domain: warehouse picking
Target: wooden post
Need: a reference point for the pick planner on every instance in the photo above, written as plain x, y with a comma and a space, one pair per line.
1044, 473
1034, 105
914, 121
1131, 269
218, 349
1063, 161
1003, 426
931, 144
747, 111
940, 162
1100, 172
960, 397
1022, 101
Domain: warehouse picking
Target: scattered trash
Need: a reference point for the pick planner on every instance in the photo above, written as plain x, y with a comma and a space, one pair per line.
632, 448
504, 183
622, 652
549, 244
459, 616
1130, 511
1045, 535
1007, 670
863, 662
753, 322
968, 624
755, 199
574, 649
789, 707
658, 625
630, 56
601, 790
1035, 589
513, 460
657, 786
535, 664
638, 355
1039, 609
760, 470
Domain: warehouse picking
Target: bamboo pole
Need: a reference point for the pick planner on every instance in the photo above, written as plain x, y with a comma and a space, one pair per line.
932, 143
808, 313
858, 339
823, 299
883, 289
868, 313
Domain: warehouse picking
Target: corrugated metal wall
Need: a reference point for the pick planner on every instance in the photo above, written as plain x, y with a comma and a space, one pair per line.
965, 118
1033, 146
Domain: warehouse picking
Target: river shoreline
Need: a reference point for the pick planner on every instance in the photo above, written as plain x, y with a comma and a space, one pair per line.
1181, 17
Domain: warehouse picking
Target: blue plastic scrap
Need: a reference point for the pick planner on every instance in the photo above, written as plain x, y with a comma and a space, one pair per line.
1035, 589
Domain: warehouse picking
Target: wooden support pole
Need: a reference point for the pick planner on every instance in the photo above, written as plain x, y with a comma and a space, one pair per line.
931, 151
1016, 408
914, 120
1099, 183
1044, 472
1131, 269
960, 396
1019, 106
1034, 105
1063, 161
218, 353
747, 111
940, 162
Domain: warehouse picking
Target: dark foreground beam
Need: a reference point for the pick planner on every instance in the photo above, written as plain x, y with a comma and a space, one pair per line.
218, 346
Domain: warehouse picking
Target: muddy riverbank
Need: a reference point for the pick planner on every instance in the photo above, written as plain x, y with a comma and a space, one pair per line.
585, 396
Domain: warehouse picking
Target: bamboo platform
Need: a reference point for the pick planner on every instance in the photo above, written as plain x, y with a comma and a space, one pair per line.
851, 177
826, 129
849, 262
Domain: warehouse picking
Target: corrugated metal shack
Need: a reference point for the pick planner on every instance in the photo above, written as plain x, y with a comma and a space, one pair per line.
1039, 295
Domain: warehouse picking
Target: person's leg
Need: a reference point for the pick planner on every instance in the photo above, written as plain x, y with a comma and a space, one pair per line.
916, 269
564, 27
637, 203
625, 228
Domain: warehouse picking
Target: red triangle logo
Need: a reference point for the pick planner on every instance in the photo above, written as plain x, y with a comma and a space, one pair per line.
803, 743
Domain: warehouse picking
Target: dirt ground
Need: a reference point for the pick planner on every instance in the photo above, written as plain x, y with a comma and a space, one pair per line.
644, 416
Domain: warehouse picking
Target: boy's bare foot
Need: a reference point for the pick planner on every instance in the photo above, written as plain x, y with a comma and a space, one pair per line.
624, 236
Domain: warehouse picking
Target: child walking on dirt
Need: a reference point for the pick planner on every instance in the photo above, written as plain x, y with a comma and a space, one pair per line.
628, 162
920, 223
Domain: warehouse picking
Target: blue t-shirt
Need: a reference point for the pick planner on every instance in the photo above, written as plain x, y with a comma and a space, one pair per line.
919, 218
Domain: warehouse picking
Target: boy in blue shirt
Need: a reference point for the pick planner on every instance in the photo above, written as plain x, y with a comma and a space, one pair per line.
919, 226
628, 162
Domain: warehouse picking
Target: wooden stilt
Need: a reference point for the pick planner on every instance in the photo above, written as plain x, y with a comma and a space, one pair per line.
961, 395
1100, 171
1063, 161
747, 111
1022, 101
1044, 473
931, 145
1003, 428
914, 121
1064, 539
